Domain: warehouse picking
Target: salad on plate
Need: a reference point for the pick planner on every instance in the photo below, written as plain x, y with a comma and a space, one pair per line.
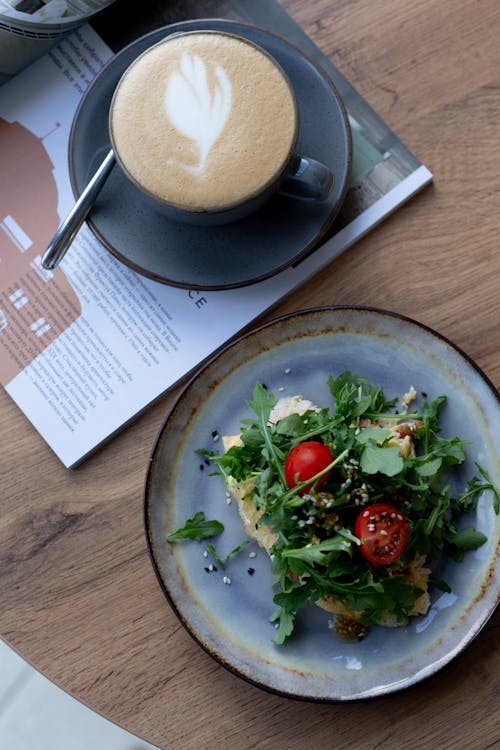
354, 503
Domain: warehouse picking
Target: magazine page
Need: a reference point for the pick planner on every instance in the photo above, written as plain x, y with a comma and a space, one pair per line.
85, 347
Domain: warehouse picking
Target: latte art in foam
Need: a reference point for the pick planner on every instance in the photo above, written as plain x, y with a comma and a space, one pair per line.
196, 110
204, 121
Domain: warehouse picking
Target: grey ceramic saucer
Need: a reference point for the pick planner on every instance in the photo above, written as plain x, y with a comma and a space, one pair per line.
296, 354
277, 236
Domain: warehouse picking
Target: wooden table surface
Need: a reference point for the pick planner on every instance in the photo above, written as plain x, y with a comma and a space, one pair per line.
78, 597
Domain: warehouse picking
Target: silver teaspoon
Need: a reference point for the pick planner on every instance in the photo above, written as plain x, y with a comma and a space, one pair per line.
56, 250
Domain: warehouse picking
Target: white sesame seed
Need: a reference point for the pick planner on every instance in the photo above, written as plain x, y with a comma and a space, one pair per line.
281, 388
210, 567
383, 532
400, 517
288, 370
228, 500
226, 580
252, 555
366, 513
205, 554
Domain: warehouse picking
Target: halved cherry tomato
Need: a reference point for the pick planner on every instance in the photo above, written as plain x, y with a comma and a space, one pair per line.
306, 460
383, 531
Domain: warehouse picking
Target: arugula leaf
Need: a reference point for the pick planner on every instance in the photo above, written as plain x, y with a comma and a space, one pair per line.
428, 466
355, 396
294, 594
383, 459
196, 528
377, 456
430, 426
286, 621
441, 503
467, 501
223, 560
468, 538
451, 450
262, 404
375, 433
293, 425
489, 485
316, 552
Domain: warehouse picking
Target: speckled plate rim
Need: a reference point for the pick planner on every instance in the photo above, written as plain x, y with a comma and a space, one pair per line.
472, 620
297, 254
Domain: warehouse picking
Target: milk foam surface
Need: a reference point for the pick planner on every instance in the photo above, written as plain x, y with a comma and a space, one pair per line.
194, 109
203, 120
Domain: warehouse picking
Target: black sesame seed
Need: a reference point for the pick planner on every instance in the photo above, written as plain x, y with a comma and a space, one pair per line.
264, 386
424, 394
214, 433
251, 571
202, 467
207, 570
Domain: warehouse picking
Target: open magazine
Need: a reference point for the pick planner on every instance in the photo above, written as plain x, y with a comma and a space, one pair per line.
86, 347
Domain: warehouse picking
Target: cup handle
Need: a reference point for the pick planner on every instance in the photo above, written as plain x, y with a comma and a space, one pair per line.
307, 179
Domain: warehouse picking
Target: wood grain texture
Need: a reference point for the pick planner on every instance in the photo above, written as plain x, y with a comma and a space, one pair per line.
78, 598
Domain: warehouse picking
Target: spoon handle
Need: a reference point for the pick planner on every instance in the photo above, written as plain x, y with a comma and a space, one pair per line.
66, 233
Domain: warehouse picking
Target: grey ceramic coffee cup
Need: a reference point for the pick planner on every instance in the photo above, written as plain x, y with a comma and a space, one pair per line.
299, 176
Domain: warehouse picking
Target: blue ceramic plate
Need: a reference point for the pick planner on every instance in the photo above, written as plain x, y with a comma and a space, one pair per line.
296, 354
277, 236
